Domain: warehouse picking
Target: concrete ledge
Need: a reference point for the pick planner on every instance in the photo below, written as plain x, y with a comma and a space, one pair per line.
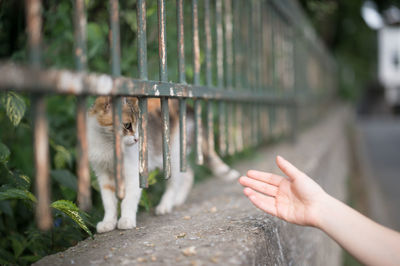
223, 226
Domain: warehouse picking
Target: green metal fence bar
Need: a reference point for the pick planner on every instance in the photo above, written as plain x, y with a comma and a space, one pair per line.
220, 75
83, 173
40, 133
209, 82
238, 63
143, 113
72, 82
182, 79
162, 51
196, 81
230, 147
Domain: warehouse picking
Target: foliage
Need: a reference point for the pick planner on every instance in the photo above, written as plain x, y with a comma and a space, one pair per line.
70, 209
15, 107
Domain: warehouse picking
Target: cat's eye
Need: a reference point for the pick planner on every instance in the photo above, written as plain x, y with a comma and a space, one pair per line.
128, 126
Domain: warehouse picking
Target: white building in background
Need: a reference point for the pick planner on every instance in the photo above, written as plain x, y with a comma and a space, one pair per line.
388, 27
389, 62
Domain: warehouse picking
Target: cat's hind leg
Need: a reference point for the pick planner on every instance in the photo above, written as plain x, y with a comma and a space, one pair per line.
107, 189
179, 185
186, 180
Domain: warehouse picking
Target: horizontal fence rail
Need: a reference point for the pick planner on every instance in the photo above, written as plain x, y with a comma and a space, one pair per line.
257, 70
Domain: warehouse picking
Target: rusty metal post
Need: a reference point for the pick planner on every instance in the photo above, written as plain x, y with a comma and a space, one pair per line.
209, 82
118, 152
230, 132
117, 101
162, 52
182, 79
143, 112
238, 55
84, 192
40, 129
220, 75
196, 80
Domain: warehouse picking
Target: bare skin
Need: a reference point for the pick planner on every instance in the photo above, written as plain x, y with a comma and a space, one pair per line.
300, 200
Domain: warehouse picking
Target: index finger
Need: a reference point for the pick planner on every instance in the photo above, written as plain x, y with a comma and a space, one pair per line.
266, 177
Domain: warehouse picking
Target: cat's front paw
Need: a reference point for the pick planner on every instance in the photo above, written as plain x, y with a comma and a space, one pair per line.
232, 175
106, 226
126, 223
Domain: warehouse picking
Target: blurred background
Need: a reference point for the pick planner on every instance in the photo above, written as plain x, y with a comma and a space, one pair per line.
354, 40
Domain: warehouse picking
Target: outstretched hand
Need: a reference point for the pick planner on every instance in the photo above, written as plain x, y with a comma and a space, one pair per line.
296, 199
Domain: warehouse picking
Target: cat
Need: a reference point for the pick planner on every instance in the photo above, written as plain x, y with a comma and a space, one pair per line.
101, 156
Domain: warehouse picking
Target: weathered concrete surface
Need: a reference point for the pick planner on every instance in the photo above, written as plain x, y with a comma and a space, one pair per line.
223, 226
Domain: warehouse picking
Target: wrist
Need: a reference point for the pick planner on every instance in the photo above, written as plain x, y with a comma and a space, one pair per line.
321, 210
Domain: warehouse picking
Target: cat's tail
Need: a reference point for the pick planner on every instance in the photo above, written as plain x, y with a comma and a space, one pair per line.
216, 165
211, 158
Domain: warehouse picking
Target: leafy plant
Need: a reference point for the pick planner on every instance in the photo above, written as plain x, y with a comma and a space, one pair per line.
70, 209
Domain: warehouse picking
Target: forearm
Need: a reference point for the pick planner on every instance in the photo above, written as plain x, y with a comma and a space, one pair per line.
369, 242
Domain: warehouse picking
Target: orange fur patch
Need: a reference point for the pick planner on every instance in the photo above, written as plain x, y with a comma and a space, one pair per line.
109, 187
102, 109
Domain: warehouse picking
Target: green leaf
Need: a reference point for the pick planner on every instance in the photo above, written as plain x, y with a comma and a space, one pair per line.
25, 181
70, 209
145, 201
62, 157
15, 193
18, 243
29, 259
5, 208
15, 107
153, 177
4, 153
65, 178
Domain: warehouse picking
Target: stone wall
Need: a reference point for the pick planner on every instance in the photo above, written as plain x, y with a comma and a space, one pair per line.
220, 226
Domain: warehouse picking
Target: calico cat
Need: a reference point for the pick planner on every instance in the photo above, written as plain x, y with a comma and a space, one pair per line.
101, 156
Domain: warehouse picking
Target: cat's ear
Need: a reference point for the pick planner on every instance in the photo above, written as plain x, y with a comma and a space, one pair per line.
133, 103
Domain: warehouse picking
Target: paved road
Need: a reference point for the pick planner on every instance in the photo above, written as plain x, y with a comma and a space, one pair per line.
381, 140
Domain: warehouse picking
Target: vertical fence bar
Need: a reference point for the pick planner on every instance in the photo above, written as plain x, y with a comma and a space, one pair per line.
116, 101
40, 130
220, 75
84, 193
182, 79
162, 52
259, 73
196, 80
143, 114
229, 70
272, 113
210, 113
238, 74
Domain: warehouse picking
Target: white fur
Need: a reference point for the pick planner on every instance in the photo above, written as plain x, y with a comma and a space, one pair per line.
101, 156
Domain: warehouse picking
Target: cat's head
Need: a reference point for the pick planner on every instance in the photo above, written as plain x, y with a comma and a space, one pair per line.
102, 109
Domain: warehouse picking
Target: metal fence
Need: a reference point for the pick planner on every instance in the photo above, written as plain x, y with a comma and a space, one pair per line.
271, 75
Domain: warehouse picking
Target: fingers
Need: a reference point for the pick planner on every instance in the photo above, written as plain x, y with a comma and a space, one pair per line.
265, 177
261, 201
290, 170
259, 186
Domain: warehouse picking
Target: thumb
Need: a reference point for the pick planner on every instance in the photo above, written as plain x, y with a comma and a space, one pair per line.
289, 169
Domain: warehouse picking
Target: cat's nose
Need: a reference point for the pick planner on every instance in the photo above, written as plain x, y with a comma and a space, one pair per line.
136, 140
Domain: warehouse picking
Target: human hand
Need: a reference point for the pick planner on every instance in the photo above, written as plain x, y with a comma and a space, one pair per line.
297, 199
